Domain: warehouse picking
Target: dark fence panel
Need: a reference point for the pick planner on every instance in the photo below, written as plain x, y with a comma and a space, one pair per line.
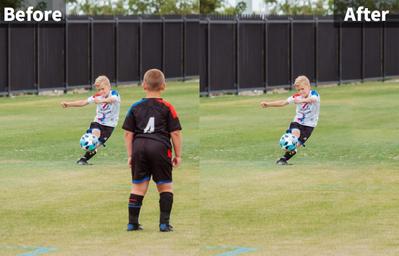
303, 50
203, 57
278, 59
222, 62
373, 50
128, 52
173, 49
104, 50
391, 53
78, 54
74, 52
351, 51
3, 59
191, 48
151, 46
23, 61
51, 56
251, 54
327, 52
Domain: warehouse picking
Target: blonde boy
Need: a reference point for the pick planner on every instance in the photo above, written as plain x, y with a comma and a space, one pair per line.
151, 127
307, 113
107, 113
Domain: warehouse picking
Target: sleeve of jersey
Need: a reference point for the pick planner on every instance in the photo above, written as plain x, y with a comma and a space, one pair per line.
173, 122
115, 96
90, 99
290, 99
130, 123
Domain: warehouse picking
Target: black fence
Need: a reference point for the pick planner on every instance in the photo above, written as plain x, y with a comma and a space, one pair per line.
71, 54
248, 53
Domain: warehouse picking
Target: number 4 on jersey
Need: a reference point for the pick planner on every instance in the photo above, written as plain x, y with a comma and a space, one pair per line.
150, 125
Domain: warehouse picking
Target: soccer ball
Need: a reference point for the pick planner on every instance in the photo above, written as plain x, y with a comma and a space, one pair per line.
88, 142
288, 142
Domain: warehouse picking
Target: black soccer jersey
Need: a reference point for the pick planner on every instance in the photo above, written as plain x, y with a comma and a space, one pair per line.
152, 118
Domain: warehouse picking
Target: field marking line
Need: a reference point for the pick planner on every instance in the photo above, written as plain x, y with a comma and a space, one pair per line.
233, 250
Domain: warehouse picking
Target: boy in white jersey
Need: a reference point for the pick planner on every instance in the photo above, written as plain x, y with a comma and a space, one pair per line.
307, 113
107, 114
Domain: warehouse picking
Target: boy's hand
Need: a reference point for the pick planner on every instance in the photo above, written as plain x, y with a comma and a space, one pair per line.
129, 161
176, 161
97, 100
264, 104
298, 101
64, 104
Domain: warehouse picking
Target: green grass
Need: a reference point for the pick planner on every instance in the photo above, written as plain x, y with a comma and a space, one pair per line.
49, 201
340, 196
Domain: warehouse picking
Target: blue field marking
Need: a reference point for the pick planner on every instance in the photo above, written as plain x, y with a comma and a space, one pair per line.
38, 251
232, 250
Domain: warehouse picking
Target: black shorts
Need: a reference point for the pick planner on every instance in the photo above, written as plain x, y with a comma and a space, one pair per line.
151, 158
306, 131
106, 131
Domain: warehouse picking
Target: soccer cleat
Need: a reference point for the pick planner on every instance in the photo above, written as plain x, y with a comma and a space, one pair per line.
134, 227
282, 161
165, 228
82, 161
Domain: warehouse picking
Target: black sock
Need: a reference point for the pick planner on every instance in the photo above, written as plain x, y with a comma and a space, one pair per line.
135, 202
289, 154
89, 154
165, 206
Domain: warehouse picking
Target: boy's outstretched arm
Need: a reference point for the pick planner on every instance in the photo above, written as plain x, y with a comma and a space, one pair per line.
177, 146
129, 146
277, 103
77, 103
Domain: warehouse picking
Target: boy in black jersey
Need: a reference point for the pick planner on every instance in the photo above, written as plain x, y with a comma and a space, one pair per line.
150, 126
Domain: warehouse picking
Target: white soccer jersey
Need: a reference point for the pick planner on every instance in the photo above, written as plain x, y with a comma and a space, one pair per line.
107, 113
306, 113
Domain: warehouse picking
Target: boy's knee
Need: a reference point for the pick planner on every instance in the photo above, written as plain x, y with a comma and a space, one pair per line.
165, 187
96, 132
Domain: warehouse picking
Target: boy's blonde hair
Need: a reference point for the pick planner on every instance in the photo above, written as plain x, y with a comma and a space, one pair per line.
102, 81
302, 80
154, 79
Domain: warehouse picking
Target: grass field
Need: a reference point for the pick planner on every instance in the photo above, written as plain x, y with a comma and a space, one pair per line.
340, 196
51, 206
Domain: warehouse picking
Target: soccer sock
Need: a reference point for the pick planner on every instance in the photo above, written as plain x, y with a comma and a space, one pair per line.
289, 154
165, 206
90, 154
135, 202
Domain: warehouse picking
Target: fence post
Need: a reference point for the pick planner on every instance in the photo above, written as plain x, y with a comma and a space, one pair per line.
237, 66
66, 60
316, 52
37, 56
291, 49
140, 49
266, 75
116, 52
383, 44
340, 52
363, 45
184, 41
9, 59
91, 60
163, 45
209, 56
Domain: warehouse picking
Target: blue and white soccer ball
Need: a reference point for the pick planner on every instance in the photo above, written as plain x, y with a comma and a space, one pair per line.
88, 142
288, 142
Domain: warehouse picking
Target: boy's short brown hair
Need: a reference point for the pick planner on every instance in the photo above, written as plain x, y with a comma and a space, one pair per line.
154, 79
102, 80
302, 80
